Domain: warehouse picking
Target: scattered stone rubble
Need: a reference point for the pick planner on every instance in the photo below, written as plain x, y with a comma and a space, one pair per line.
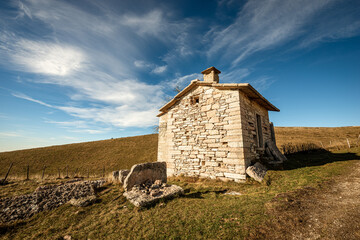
148, 193
257, 171
146, 184
79, 193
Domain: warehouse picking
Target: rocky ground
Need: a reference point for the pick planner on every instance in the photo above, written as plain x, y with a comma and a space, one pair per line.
80, 193
148, 193
331, 212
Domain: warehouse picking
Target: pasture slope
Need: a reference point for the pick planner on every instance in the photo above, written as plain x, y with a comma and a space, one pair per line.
315, 195
122, 153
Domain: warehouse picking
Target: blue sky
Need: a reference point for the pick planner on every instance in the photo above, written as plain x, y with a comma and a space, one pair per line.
74, 71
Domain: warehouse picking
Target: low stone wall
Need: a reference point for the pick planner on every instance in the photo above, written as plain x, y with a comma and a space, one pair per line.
46, 198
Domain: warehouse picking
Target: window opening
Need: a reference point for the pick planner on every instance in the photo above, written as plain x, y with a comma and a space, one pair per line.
195, 100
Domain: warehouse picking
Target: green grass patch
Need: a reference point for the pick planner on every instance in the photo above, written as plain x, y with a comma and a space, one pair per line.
204, 211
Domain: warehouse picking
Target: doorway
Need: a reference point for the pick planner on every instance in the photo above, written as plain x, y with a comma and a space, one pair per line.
260, 141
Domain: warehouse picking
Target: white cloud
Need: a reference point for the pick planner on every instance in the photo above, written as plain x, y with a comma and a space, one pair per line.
149, 24
104, 76
146, 65
47, 58
159, 69
123, 116
96, 54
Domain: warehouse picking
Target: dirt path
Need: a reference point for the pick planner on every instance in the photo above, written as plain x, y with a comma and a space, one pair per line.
333, 212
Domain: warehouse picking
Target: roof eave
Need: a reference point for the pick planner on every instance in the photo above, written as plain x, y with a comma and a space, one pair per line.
252, 93
193, 83
245, 87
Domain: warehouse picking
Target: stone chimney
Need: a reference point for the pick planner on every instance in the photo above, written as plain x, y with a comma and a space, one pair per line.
211, 75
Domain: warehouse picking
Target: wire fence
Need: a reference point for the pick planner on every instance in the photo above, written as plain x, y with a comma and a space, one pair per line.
48, 172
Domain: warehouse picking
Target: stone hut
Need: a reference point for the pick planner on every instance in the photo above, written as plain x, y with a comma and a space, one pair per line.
213, 129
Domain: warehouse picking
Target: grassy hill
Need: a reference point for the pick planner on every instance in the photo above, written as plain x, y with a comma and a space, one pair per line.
122, 153
110, 154
326, 137
204, 211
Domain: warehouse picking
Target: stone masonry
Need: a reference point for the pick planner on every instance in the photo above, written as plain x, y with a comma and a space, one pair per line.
213, 130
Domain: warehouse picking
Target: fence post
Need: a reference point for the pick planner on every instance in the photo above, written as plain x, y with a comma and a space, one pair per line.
348, 142
59, 173
43, 173
103, 172
67, 171
88, 173
27, 172
7, 174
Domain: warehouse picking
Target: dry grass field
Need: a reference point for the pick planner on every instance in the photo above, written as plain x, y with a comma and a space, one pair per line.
324, 137
112, 154
203, 212
122, 153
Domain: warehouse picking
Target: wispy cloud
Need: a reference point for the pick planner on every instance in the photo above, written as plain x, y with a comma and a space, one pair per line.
182, 81
159, 69
235, 75
23, 10
262, 25
262, 83
86, 60
45, 58
80, 126
146, 65
25, 97
9, 134
96, 52
151, 23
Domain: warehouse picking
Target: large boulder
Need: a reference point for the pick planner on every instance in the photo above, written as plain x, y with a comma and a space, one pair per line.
256, 171
145, 172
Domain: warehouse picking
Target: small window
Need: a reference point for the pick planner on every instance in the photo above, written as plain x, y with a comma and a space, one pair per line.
195, 100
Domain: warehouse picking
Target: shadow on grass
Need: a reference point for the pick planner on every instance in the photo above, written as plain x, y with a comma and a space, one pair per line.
187, 194
200, 193
316, 158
